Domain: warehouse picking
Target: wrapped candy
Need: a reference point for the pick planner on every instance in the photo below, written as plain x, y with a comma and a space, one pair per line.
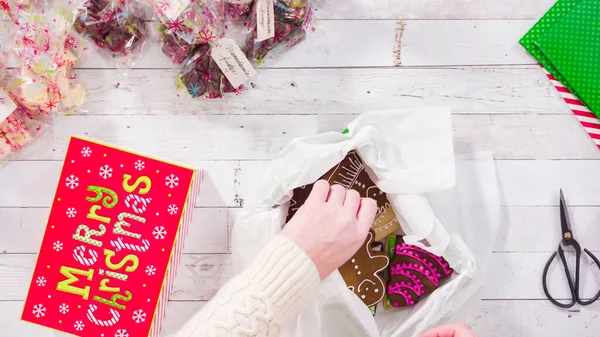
187, 35
43, 84
184, 29
237, 10
20, 128
47, 51
200, 76
293, 19
4, 47
117, 26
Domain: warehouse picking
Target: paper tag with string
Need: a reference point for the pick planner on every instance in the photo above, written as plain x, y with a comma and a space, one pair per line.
232, 62
265, 20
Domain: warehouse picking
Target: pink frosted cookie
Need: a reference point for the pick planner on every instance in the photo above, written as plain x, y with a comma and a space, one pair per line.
414, 272
404, 289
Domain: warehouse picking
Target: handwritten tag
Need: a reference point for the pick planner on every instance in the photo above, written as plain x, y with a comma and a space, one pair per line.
7, 106
265, 20
232, 62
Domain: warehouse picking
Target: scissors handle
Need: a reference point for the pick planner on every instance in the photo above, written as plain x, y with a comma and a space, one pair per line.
573, 286
595, 298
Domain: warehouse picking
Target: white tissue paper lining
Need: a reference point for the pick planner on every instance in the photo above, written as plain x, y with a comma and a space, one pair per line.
452, 205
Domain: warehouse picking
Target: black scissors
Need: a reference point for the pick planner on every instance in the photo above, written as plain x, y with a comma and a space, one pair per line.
568, 241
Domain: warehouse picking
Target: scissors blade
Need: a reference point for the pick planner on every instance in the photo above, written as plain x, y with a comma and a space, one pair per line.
565, 222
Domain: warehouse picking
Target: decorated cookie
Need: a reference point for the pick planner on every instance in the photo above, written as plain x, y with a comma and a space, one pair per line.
362, 273
404, 289
436, 262
414, 272
351, 174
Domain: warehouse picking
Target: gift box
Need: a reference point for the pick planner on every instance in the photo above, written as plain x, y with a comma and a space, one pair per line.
112, 244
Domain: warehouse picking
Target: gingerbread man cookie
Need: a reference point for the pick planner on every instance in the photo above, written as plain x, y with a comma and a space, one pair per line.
351, 174
362, 273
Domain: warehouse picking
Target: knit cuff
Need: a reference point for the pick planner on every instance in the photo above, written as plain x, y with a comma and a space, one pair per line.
284, 274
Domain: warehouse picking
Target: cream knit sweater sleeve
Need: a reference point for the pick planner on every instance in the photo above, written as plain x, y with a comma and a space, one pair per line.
274, 287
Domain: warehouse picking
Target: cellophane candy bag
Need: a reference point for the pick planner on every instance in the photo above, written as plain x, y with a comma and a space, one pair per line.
117, 27
238, 10
293, 19
47, 50
43, 83
187, 33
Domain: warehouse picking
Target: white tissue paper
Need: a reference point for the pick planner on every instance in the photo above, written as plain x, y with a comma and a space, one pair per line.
446, 204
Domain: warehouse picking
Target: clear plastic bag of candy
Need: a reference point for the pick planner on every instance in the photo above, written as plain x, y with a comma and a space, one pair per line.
116, 27
47, 50
293, 19
187, 33
238, 10
20, 128
4, 47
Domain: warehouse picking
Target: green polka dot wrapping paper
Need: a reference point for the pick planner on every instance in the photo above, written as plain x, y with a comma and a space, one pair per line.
572, 46
560, 8
588, 120
112, 244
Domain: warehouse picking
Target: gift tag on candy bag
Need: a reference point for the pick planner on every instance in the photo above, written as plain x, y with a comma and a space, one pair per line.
7, 106
265, 20
232, 62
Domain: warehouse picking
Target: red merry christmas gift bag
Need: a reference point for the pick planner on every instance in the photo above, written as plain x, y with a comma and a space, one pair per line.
112, 243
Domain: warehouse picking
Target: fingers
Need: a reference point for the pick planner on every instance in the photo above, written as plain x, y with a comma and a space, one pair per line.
454, 330
352, 202
319, 192
366, 213
337, 194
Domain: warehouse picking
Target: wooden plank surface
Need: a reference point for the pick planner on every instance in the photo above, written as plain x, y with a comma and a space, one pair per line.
433, 9
368, 43
301, 91
261, 137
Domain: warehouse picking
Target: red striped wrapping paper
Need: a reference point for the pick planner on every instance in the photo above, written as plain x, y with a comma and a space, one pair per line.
586, 117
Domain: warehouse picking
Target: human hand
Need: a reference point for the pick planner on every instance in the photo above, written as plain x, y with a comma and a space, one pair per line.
331, 225
452, 330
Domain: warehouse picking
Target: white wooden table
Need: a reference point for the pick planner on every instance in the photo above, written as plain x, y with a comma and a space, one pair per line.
365, 55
